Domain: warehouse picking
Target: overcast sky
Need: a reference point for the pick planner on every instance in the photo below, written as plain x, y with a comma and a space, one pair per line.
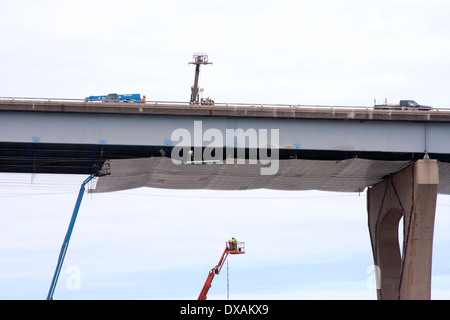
149, 243
346, 52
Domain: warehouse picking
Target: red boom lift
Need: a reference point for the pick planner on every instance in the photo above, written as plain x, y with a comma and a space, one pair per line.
232, 247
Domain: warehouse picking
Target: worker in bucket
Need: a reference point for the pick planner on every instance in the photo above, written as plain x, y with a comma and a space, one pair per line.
233, 244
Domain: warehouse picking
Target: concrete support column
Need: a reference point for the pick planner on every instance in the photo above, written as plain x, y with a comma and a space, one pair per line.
411, 194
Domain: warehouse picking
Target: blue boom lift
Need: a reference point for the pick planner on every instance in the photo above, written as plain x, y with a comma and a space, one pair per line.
65, 245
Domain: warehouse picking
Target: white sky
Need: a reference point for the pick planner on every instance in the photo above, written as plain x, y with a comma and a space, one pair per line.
309, 52
153, 243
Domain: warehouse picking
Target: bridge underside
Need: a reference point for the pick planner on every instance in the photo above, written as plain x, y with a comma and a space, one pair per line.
151, 166
351, 175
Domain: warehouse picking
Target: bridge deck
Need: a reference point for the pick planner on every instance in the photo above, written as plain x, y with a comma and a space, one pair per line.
247, 111
70, 136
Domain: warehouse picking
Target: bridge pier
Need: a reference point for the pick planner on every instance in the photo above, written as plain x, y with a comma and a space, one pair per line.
411, 194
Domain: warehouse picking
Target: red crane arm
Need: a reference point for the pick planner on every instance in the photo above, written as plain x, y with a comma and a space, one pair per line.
212, 273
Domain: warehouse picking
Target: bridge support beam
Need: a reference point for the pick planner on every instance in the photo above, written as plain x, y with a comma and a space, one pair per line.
411, 194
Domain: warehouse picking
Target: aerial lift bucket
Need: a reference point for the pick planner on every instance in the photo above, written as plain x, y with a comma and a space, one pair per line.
237, 248
232, 247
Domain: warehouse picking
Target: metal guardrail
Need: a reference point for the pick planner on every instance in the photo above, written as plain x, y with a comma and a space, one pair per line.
222, 104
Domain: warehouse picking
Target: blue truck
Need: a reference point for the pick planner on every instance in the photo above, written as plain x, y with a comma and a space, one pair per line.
116, 98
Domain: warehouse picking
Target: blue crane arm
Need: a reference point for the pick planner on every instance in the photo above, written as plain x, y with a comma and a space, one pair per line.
65, 244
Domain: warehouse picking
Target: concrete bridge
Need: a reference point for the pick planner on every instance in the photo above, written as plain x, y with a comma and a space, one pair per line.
402, 157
